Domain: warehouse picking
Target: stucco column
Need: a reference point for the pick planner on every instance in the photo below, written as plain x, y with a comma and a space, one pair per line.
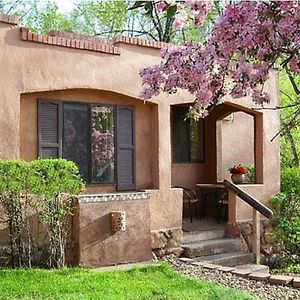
259, 147
164, 146
165, 203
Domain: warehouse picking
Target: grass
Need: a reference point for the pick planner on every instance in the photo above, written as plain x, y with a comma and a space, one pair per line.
151, 282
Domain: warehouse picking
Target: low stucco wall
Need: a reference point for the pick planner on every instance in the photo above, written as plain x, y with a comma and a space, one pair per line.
97, 245
166, 209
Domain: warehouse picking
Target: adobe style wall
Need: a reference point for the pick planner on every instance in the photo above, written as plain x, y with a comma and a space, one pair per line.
97, 245
78, 69
144, 146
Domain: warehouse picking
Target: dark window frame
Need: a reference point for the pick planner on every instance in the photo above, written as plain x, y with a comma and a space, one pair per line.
201, 135
89, 105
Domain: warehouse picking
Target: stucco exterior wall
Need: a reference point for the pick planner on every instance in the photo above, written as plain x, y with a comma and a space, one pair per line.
144, 112
237, 148
97, 245
30, 70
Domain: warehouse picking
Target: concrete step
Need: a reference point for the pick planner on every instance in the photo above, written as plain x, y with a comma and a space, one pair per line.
211, 247
254, 268
230, 259
197, 236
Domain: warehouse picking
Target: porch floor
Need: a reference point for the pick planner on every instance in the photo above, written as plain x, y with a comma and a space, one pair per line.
208, 223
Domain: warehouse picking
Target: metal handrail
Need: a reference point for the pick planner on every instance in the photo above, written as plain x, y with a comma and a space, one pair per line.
249, 199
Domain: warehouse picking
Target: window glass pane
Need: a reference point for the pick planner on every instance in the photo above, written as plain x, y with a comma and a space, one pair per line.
188, 138
102, 144
194, 136
180, 137
76, 136
197, 140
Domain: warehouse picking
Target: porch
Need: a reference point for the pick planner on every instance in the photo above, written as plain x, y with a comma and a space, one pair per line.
202, 152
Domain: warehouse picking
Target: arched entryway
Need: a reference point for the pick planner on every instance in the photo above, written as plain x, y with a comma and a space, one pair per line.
230, 135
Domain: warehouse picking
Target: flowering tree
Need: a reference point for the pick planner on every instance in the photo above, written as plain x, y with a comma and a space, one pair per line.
247, 40
167, 21
102, 141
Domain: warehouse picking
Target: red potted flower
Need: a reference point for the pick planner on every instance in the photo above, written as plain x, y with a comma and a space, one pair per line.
238, 174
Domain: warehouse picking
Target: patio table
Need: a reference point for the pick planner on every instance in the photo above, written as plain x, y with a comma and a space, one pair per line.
215, 190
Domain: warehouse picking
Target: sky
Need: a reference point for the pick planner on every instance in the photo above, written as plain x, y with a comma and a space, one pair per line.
65, 5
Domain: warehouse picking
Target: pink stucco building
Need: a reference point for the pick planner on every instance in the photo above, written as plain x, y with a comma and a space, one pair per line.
77, 97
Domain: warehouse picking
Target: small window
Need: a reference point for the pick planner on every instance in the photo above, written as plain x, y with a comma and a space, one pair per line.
187, 136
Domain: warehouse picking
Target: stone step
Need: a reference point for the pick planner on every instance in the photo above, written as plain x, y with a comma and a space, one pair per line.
230, 259
211, 247
197, 236
254, 268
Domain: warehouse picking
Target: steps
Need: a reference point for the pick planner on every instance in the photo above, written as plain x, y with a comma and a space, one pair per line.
213, 247
230, 259
196, 236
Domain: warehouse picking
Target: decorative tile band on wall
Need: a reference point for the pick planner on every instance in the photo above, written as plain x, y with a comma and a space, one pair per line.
113, 197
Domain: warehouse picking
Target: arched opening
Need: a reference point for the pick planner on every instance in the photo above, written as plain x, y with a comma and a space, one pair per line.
231, 135
71, 116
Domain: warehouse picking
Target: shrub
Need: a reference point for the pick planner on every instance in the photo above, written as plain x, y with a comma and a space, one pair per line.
290, 180
47, 186
55, 182
286, 206
15, 200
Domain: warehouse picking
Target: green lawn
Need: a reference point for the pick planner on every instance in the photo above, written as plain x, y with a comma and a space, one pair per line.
151, 282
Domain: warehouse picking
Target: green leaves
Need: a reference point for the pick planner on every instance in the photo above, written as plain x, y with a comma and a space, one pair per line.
47, 177
48, 187
286, 207
50, 177
171, 11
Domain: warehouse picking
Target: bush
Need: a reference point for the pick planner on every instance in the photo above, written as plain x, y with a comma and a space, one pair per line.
55, 182
15, 200
49, 187
286, 206
290, 181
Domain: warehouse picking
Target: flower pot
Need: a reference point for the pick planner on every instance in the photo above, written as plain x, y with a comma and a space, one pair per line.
238, 178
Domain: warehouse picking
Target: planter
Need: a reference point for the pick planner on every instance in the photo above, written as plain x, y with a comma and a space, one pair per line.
239, 178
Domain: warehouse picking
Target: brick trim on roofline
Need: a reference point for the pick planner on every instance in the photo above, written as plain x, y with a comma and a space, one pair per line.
115, 40
140, 42
13, 20
79, 36
81, 43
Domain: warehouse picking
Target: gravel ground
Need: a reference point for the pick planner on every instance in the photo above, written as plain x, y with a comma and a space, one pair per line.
263, 290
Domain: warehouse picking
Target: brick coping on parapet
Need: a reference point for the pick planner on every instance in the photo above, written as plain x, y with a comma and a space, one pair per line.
81, 41
287, 280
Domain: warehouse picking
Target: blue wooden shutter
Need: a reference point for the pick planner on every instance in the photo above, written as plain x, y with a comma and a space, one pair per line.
126, 177
49, 129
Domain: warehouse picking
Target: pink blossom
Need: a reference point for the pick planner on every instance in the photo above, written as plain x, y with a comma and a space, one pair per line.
254, 34
161, 6
295, 65
181, 20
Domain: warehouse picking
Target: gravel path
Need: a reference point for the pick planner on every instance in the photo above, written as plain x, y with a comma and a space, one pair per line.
263, 290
